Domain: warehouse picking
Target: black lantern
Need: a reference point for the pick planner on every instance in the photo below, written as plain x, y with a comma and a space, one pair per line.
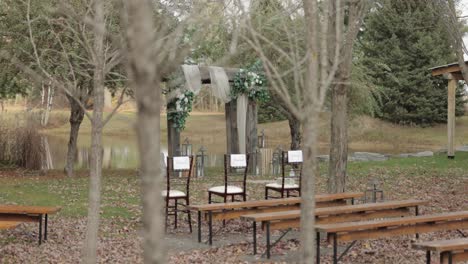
200, 162
373, 192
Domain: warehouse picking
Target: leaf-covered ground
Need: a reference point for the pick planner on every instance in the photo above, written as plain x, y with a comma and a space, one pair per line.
441, 181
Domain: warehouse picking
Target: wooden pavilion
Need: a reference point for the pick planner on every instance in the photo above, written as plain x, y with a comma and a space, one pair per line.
452, 72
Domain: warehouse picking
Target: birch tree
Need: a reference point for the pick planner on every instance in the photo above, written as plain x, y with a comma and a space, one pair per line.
313, 75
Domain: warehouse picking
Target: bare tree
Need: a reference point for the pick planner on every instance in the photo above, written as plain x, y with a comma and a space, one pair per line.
339, 95
446, 8
94, 200
102, 55
312, 74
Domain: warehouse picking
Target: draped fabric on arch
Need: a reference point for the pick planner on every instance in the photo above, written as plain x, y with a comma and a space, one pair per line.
192, 78
222, 90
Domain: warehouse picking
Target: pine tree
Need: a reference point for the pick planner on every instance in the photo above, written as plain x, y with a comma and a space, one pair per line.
402, 39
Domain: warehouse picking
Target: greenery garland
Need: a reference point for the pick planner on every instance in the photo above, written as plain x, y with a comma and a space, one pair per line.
179, 109
251, 82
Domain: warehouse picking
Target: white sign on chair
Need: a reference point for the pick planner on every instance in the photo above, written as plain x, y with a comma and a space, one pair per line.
295, 156
238, 160
181, 163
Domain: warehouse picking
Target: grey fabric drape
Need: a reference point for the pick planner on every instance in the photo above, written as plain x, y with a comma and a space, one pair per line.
220, 83
193, 80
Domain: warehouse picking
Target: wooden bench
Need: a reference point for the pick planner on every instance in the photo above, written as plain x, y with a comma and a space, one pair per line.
291, 219
8, 225
388, 228
451, 251
35, 214
226, 211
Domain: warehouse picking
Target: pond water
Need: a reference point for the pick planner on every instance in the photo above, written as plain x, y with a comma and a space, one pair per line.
117, 153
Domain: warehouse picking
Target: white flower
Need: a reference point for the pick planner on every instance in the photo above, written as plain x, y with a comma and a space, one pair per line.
260, 82
186, 99
178, 108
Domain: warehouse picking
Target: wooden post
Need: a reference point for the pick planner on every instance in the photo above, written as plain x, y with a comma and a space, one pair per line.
251, 134
232, 140
173, 139
452, 85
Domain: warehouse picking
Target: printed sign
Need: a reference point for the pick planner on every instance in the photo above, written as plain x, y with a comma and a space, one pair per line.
181, 163
238, 161
294, 156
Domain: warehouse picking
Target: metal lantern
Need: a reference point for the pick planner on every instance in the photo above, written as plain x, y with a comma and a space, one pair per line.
261, 139
186, 148
200, 162
373, 192
276, 161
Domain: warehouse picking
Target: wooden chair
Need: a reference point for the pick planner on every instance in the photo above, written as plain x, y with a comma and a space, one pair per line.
178, 174
291, 170
235, 176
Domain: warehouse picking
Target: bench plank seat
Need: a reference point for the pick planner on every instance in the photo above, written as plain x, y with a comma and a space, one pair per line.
323, 212
443, 245
8, 224
451, 251
21, 209
22, 213
355, 226
321, 198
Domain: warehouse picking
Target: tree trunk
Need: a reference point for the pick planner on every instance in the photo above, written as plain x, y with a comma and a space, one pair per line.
295, 131
339, 119
142, 70
95, 175
76, 117
308, 188
339, 139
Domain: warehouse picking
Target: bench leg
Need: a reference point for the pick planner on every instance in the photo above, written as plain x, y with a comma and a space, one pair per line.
255, 238
446, 257
40, 229
199, 226
335, 249
417, 213
318, 248
428, 257
210, 227
45, 226
268, 239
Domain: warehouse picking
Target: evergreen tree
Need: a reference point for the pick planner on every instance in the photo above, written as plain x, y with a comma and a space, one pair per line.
402, 39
